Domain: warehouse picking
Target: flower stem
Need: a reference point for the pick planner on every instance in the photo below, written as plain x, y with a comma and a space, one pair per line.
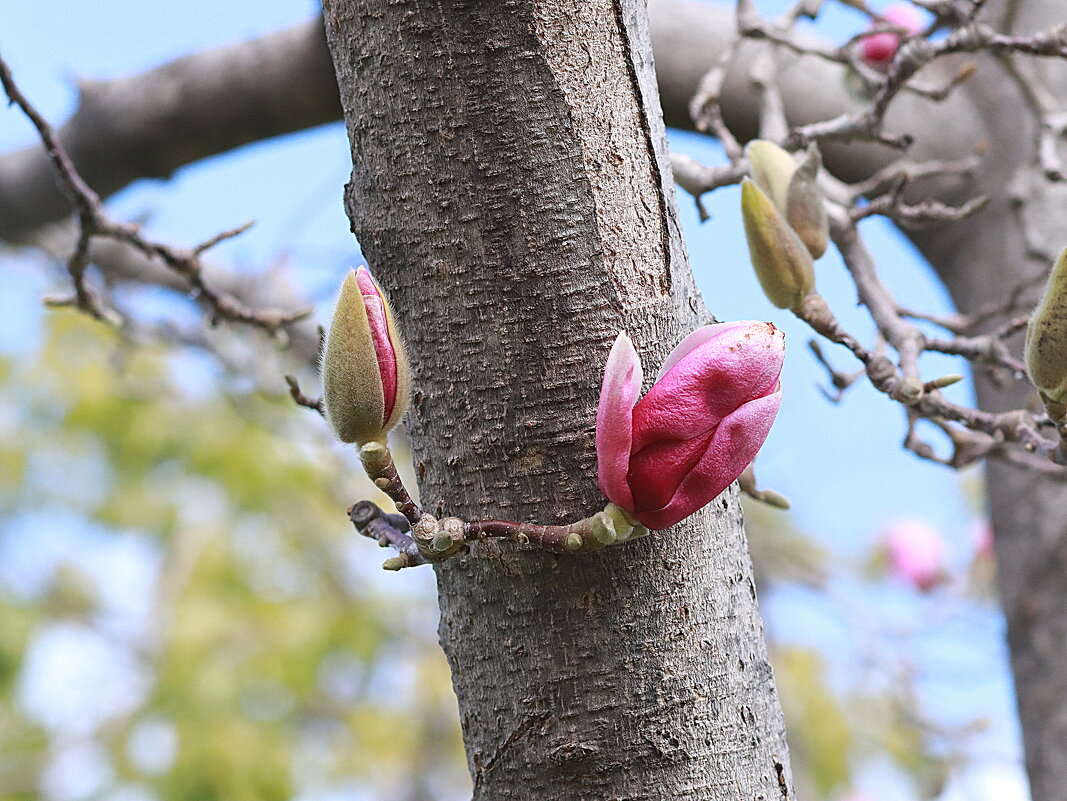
433, 540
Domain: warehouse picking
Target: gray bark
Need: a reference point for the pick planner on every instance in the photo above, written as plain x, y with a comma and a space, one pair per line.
511, 191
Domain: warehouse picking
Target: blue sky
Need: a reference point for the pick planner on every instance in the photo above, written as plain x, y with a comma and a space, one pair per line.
841, 465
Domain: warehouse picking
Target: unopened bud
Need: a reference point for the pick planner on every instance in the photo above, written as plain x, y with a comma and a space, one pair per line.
945, 381
365, 376
793, 189
910, 391
804, 208
1046, 339
782, 262
772, 169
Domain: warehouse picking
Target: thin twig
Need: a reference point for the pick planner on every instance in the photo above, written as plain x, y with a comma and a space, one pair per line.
93, 221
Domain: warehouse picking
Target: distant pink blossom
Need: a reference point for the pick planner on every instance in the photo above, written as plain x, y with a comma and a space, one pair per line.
701, 424
916, 553
878, 49
982, 537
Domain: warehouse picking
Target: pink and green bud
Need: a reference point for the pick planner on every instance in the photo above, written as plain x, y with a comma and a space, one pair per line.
668, 455
365, 375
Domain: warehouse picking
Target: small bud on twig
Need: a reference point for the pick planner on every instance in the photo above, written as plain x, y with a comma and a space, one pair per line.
365, 376
910, 391
804, 208
943, 381
1046, 342
793, 189
781, 260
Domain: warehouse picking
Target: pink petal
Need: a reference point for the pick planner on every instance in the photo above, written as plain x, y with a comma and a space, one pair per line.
733, 446
737, 365
379, 330
878, 49
904, 15
693, 341
658, 469
614, 420
916, 552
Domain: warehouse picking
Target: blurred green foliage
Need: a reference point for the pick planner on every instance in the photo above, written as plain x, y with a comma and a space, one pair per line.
274, 662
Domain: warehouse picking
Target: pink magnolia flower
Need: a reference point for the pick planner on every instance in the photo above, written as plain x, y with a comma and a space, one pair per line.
878, 49
697, 429
916, 553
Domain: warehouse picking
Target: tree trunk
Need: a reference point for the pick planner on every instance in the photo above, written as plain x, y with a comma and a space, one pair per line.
511, 192
980, 259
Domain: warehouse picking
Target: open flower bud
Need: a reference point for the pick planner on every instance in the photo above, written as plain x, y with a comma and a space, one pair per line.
701, 424
365, 376
782, 262
1046, 338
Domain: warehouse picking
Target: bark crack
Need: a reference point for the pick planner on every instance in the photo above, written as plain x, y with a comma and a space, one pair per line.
520, 731
650, 145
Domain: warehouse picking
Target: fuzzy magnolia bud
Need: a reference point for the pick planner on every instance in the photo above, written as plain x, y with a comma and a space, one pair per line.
793, 189
772, 169
782, 262
1046, 339
878, 49
365, 376
804, 208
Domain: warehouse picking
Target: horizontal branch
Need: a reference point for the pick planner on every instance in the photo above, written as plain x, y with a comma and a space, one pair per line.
150, 124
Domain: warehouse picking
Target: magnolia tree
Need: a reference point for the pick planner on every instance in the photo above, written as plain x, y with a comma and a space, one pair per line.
511, 190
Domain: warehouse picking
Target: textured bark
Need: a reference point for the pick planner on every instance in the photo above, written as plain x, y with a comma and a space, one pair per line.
511, 192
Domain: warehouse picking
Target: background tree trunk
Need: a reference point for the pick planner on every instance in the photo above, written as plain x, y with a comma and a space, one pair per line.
980, 259
511, 192
1014, 240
